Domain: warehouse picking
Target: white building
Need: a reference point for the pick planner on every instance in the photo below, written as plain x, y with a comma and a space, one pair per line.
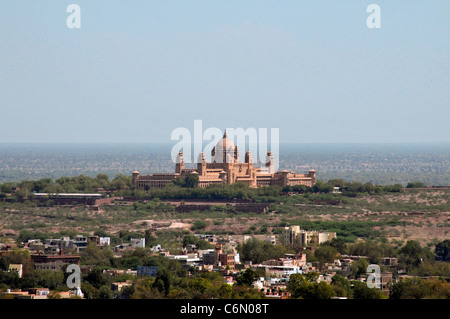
137, 242
156, 248
105, 241
271, 239
295, 235
281, 271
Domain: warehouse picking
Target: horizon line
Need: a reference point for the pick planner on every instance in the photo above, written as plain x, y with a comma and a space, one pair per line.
174, 142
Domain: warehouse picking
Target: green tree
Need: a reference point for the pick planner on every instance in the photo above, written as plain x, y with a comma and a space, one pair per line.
417, 288
225, 291
412, 255
247, 278
163, 281
188, 181
415, 185
442, 249
22, 193
102, 180
92, 255
244, 292
371, 249
322, 187
105, 292
6, 187
89, 291
16, 256
191, 239
10, 279
199, 225
199, 287
312, 276
341, 286
358, 268
325, 254
298, 286
148, 288
306, 287
97, 278
150, 240
54, 295
54, 280
257, 251
340, 245
191, 181
121, 183
362, 291
321, 290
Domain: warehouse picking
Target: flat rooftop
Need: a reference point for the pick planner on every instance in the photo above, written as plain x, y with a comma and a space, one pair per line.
68, 194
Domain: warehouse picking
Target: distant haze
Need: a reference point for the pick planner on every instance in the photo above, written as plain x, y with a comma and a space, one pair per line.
376, 163
138, 69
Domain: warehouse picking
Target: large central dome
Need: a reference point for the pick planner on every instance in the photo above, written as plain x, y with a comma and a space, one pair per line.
225, 143
224, 151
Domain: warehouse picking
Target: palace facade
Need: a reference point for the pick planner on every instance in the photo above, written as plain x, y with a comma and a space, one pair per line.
225, 168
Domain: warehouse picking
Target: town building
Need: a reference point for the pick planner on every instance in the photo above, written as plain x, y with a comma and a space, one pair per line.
54, 262
271, 239
227, 260
390, 261
285, 266
68, 198
210, 258
293, 235
149, 271
33, 293
385, 282
118, 286
56, 245
137, 242
225, 168
18, 268
104, 241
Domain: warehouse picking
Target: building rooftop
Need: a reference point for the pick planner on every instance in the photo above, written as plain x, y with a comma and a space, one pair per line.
68, 194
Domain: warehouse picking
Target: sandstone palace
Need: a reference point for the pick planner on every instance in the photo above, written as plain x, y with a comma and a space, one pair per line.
226, 169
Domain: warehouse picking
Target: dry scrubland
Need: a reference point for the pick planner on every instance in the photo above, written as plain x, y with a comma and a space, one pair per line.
422, 215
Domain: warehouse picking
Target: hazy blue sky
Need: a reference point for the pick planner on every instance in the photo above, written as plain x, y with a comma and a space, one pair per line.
136, 70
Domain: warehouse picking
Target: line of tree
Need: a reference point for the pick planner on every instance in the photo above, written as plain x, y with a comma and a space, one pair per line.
346, 187
185, 187
77, 184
